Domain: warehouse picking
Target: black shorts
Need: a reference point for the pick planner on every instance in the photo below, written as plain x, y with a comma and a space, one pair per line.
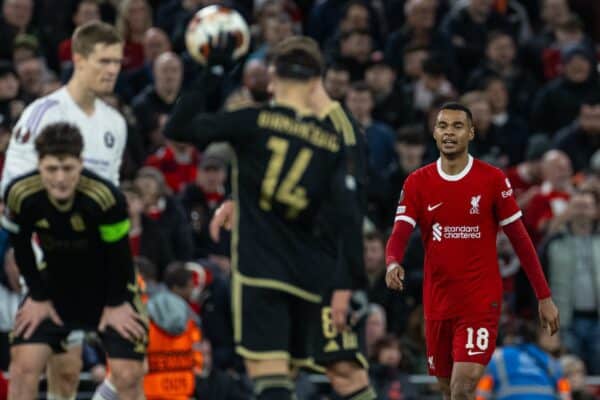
331, 346
275, 322
56, 337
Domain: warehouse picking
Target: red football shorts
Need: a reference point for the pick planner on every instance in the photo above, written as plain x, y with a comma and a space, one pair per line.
469, 338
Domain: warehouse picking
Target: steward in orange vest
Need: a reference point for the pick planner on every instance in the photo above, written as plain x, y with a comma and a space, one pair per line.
173, 343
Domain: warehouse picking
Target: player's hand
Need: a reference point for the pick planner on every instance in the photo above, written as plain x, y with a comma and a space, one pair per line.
394, 277
549, 315
223, 218
221, 50
124, 320
340, 304
31, 314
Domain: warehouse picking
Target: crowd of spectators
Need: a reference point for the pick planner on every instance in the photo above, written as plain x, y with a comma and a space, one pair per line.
528, 70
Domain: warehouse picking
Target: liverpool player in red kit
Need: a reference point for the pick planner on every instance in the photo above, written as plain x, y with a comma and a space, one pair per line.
459, 203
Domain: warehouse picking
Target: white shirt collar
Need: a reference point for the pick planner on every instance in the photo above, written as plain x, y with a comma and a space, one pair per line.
457, 177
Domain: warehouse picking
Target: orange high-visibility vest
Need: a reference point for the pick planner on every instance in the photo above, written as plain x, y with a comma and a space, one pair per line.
171, 363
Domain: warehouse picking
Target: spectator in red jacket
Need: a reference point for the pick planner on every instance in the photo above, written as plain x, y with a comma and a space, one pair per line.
178, 163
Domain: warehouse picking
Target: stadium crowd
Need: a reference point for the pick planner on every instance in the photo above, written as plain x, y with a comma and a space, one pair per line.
528, 70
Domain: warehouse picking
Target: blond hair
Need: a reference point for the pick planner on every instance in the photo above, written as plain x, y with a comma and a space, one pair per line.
87, 36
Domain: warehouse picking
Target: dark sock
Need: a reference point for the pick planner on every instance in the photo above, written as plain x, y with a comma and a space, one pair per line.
366, 393
273, 387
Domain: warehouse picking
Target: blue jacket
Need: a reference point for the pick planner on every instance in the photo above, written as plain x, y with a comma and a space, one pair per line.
522, 372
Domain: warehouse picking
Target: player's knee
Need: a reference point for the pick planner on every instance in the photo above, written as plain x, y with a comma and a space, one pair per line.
24, 370
463, 387
127, 378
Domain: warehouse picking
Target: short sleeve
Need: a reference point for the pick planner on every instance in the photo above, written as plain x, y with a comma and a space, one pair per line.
408, 206
505, 204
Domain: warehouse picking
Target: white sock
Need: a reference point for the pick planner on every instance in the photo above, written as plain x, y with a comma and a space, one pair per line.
106, 391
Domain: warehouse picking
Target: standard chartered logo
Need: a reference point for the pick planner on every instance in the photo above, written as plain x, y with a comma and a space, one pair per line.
455, 232
437, 232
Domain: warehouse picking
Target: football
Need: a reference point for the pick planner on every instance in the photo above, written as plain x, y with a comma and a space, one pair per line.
208, 23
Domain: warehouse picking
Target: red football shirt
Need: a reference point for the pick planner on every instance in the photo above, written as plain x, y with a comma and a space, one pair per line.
458, 216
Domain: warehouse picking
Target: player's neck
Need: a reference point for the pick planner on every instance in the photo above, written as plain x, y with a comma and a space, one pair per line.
454, 165
297, 103
82, 96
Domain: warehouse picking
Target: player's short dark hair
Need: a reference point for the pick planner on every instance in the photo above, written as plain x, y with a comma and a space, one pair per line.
297, 58
413, 134
59, 140
87, 36
177, 275
458, 107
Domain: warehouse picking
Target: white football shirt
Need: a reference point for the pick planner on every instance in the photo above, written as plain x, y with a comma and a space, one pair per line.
104, 136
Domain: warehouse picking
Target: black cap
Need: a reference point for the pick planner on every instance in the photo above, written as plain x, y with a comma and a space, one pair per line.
577, 49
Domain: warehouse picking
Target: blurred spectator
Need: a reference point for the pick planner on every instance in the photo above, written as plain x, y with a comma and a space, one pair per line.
216, 383
524, 372
497, 146
375, 328
558, 102
133, 20
354, 51
505, 120
553, 14
420, 31
527, 175
433, 83
10, 297
32, 73
272, 31
581, 138
163, 208
157, 100
410, 148
554, 192
413, 59
386, 373
574, 371
391, 103
178, 163
413, 343
337, 81
200, 198
84, 11
572, 260
146, 239
569, 33
254, 88
25, 47
468, 26
156, 42
501, 61
10, 105
173, 353
394, 305
16, 19
380, 137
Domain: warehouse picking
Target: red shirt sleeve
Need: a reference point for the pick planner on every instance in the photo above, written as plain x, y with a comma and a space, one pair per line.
407, 215
505, 204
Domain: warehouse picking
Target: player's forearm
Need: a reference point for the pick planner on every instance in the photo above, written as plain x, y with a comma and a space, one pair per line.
396, 245
28, 267
523, 246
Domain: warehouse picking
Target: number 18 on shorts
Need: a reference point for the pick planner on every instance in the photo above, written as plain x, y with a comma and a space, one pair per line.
460, 339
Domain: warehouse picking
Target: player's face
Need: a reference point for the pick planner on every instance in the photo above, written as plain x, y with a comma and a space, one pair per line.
453, 132
99, 70
60, 176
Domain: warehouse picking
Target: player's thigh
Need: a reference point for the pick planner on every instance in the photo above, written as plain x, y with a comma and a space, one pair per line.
28, 358
70, 359
438, 340
262, 327
465, 376
475, 338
